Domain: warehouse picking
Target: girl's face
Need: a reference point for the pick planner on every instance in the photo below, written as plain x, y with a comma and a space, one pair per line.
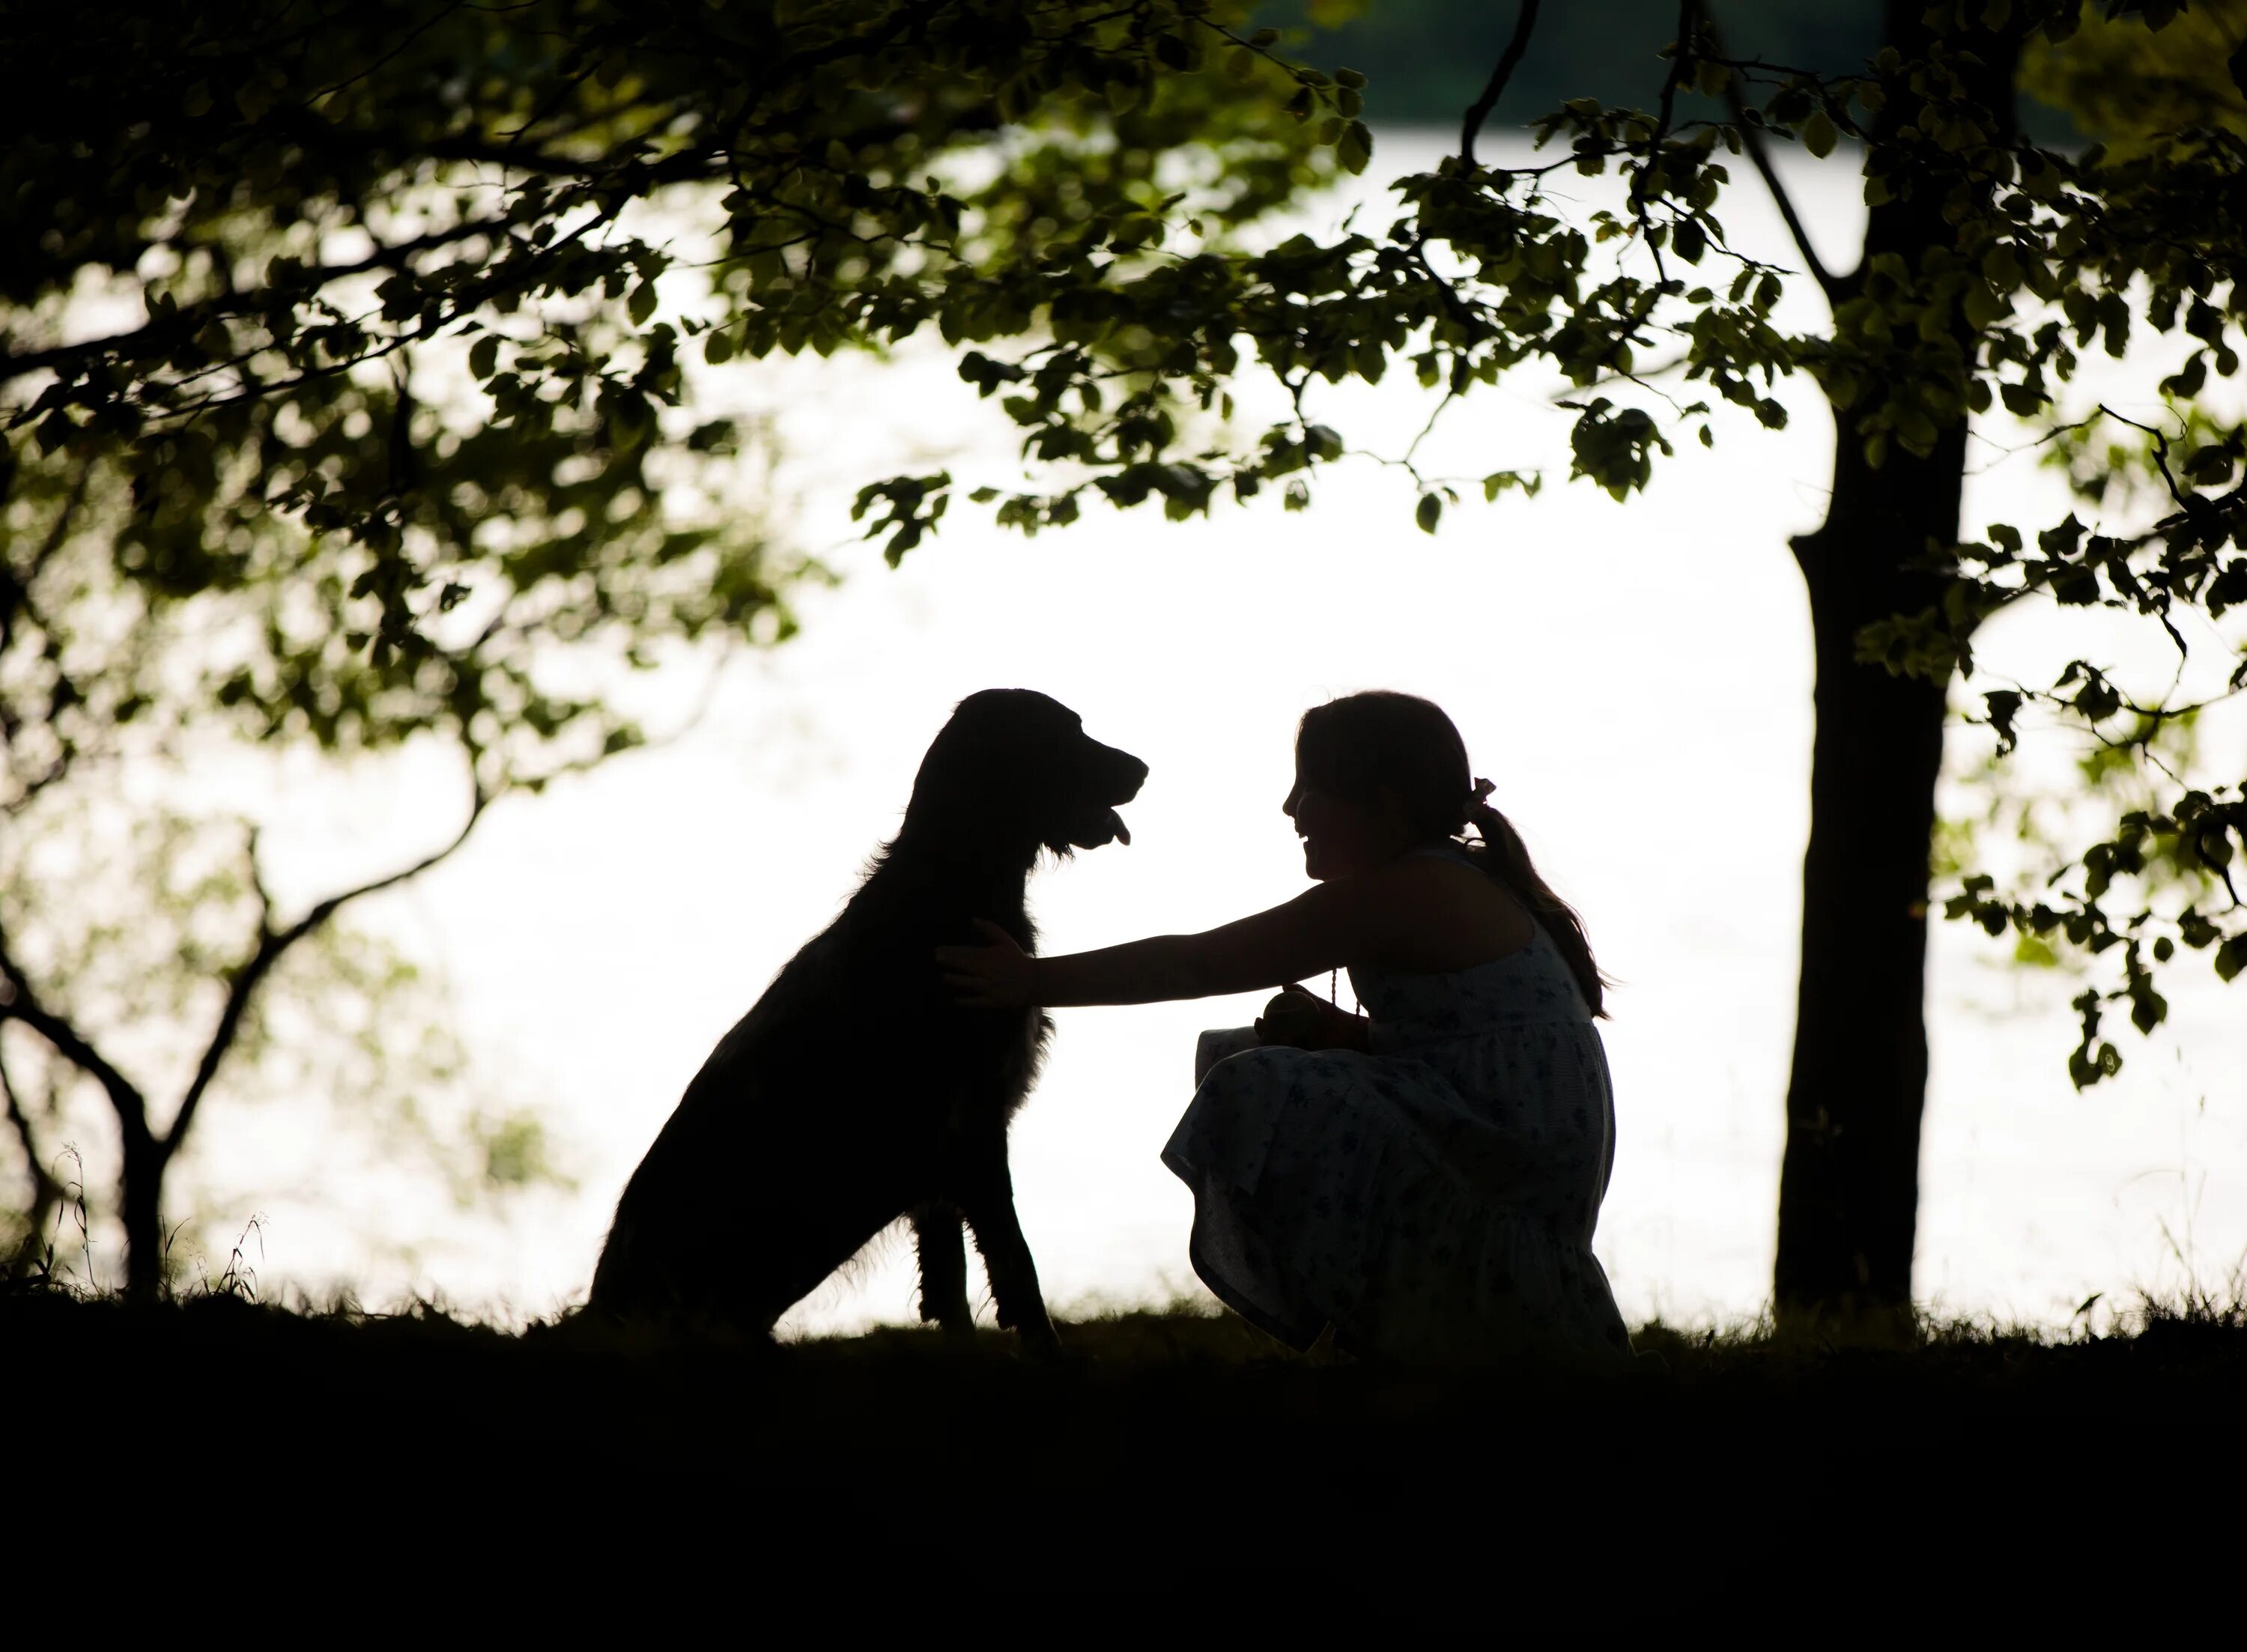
1341, 838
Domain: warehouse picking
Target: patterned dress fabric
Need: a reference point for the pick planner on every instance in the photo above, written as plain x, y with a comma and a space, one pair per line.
1434, 1199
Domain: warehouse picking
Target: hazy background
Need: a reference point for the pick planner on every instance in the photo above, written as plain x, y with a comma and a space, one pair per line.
1635, 678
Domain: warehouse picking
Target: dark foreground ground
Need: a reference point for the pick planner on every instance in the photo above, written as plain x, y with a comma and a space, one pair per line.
1169, 1450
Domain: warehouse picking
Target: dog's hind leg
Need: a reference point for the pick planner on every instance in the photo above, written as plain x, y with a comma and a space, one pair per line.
943, 1251
987, 1197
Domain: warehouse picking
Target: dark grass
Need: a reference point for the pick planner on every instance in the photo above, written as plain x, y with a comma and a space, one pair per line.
1164, 1434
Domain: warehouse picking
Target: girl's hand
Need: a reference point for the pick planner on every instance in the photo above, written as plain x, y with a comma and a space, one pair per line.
1291, 1018
993, 976
1302, 1020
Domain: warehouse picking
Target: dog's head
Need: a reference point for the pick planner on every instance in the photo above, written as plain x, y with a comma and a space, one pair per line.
1018, 766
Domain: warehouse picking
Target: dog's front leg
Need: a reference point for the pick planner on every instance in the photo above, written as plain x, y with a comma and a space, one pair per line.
943, 1252
987, 1196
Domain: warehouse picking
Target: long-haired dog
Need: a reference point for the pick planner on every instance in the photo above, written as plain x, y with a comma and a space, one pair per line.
856, 1091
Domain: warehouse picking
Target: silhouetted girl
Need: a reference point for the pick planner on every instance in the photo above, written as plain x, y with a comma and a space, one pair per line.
1425, 1181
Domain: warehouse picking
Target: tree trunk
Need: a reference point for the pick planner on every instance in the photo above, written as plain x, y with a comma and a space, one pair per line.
143, 1190
1849, 1191
1849, 1194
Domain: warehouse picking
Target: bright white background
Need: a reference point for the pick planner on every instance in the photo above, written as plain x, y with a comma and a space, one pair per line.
1636, 678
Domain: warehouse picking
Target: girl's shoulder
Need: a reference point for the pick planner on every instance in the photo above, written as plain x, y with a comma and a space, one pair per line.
1446, 913
1452, 872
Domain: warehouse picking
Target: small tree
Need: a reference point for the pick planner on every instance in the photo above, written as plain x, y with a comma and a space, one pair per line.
147, 638
135, 915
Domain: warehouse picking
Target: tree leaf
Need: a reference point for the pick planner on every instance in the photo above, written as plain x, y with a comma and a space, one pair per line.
1355, 149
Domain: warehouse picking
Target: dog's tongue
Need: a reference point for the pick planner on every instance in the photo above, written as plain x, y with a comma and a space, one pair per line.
1123, 832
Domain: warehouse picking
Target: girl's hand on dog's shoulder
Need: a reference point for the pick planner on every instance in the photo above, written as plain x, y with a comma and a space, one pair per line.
993, 976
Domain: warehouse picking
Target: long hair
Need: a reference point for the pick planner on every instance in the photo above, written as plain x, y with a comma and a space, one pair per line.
1362, 747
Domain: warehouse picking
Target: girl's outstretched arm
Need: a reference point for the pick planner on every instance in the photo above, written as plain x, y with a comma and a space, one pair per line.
1318, 931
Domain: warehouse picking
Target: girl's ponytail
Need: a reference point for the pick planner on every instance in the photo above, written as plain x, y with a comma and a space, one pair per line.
1505, 857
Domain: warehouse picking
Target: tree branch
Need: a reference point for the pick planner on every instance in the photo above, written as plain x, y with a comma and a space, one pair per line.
167, 333
431, 21
19, 1003
1752, 139
1752, 142
15, 588
1682, 53
1508, 60
271, 944
45, 1190
14, 603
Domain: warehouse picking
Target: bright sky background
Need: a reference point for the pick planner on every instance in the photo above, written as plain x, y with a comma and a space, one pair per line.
1635, 678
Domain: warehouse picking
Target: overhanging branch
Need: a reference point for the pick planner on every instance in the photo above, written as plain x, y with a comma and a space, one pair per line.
1752, 142
1508, 60
1752, 139
169, 331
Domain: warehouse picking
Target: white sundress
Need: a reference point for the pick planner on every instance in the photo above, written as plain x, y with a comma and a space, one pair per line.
1433, 1199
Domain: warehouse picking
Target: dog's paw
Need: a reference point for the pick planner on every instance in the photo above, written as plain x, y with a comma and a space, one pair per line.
1039, 1344
954, 1319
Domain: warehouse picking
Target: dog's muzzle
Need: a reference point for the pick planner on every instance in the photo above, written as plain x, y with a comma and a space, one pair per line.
1110, 829
1125, 775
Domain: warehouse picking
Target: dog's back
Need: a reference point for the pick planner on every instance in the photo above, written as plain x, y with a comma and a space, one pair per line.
808, 1129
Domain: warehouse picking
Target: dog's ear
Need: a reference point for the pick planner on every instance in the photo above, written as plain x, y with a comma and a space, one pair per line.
980, 763
945, 786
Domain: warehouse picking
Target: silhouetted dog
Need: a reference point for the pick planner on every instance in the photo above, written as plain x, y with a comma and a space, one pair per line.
856, 1091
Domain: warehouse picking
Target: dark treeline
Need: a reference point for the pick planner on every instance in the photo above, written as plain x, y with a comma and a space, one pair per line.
1426, 60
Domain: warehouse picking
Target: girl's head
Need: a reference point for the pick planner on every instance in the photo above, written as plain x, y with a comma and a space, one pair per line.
1380, 773
1376, 775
